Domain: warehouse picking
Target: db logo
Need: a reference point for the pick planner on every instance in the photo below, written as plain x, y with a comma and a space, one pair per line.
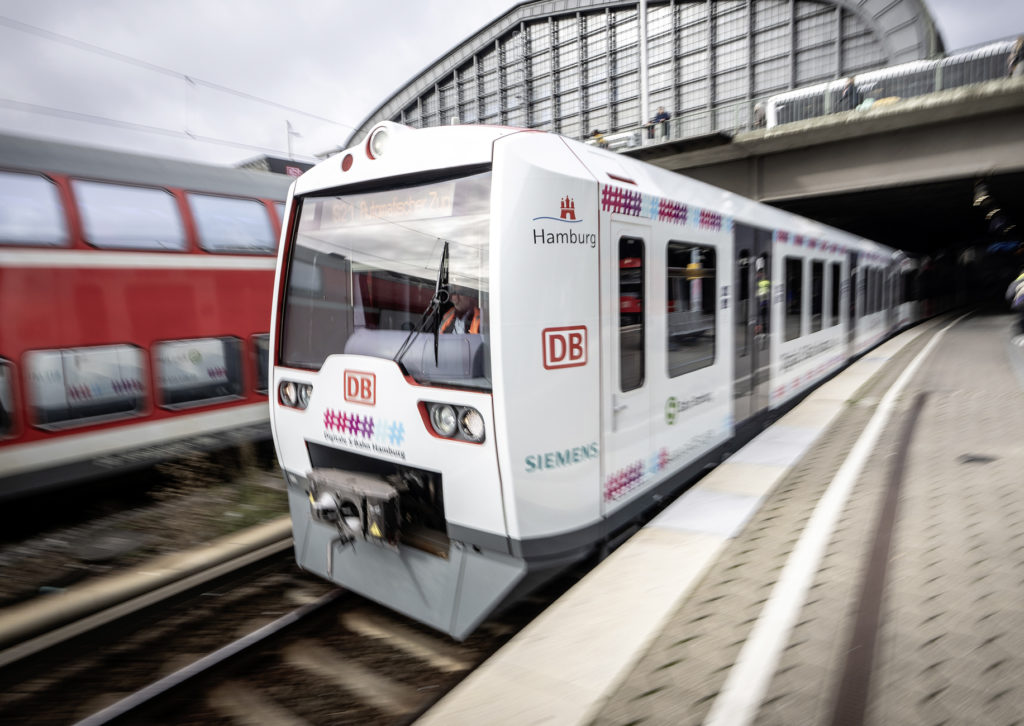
361, 387
565, 347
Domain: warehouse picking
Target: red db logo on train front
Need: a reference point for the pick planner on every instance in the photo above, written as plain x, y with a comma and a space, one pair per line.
361, 387
565, 347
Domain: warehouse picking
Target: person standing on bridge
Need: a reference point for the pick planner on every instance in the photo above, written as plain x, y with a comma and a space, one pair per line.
1015, 63
661, 117
849, 99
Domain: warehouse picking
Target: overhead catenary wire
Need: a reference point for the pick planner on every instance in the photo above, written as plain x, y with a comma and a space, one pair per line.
116, 123
89, 47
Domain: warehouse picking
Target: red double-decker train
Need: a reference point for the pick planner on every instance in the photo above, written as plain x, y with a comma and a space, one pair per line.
135, 297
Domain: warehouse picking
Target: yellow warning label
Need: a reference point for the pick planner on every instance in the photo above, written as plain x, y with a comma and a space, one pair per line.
374, 529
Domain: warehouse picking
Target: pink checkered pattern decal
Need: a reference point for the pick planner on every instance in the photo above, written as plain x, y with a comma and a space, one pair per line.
637, 204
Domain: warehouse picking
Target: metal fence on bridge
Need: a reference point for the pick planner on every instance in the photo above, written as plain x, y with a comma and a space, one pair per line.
886, 85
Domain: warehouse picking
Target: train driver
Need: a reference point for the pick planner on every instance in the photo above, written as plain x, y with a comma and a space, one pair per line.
464, 314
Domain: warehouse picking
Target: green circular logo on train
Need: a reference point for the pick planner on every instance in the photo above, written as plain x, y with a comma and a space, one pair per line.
671, 410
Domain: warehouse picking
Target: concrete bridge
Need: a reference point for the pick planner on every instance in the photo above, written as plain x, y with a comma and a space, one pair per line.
904, 173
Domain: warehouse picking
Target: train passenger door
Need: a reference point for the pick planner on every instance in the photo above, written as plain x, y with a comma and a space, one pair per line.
627, 411
752, 321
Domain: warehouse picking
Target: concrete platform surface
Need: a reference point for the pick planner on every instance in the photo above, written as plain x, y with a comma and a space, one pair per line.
861, 561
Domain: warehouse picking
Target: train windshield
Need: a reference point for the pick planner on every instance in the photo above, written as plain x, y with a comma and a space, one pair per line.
363, 269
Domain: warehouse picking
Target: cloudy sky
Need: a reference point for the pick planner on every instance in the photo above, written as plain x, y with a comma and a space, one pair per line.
220, 80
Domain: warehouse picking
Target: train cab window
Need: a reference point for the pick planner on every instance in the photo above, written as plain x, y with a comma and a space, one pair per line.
115, 216
835, 272
817, 295
794, 270
6, 399
363, 270
198, 372
691, 294
631, 313
227, 224
78, 386
279, 208
30, 211
261, 350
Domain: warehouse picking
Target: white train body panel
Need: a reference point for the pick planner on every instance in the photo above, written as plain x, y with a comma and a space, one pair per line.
545, 353
632, 323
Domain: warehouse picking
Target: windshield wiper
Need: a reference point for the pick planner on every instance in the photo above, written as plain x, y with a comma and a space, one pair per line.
441, 296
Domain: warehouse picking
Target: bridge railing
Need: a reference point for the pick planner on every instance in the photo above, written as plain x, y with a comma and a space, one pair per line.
917, 78
886, 85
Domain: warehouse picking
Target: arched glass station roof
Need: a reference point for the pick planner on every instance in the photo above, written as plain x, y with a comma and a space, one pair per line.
572, 66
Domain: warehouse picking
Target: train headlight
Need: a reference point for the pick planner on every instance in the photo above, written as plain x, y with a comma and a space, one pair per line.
459, 423
289, 396
294, 395
443, 419
377, 143
471, 424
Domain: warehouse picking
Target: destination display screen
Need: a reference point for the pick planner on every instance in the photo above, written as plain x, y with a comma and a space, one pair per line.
432, 201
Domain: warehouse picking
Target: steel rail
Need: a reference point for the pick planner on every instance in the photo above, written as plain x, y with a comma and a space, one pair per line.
133, 704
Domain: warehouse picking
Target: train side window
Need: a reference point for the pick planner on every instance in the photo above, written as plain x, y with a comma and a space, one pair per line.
115, 216
860, 284
78, 386
261, 348
198, 372
227, 224
30, 211
817, 295
836, 272
631, 313
6, 399
794, 270
909, 288
279, 207
691, 295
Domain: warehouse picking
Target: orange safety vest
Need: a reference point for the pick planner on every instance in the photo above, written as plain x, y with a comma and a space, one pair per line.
448, 321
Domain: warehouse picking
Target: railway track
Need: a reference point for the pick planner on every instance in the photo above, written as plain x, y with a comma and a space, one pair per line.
248, 640
336, 660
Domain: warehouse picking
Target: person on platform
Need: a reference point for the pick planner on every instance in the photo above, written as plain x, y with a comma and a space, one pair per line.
1015, 296
763, 292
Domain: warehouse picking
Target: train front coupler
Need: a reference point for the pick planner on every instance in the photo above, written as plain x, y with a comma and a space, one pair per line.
361, 506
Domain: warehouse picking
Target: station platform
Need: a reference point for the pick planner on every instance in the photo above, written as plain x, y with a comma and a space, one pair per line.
860, 562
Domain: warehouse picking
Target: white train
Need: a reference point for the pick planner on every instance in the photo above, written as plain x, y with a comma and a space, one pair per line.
626, 325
